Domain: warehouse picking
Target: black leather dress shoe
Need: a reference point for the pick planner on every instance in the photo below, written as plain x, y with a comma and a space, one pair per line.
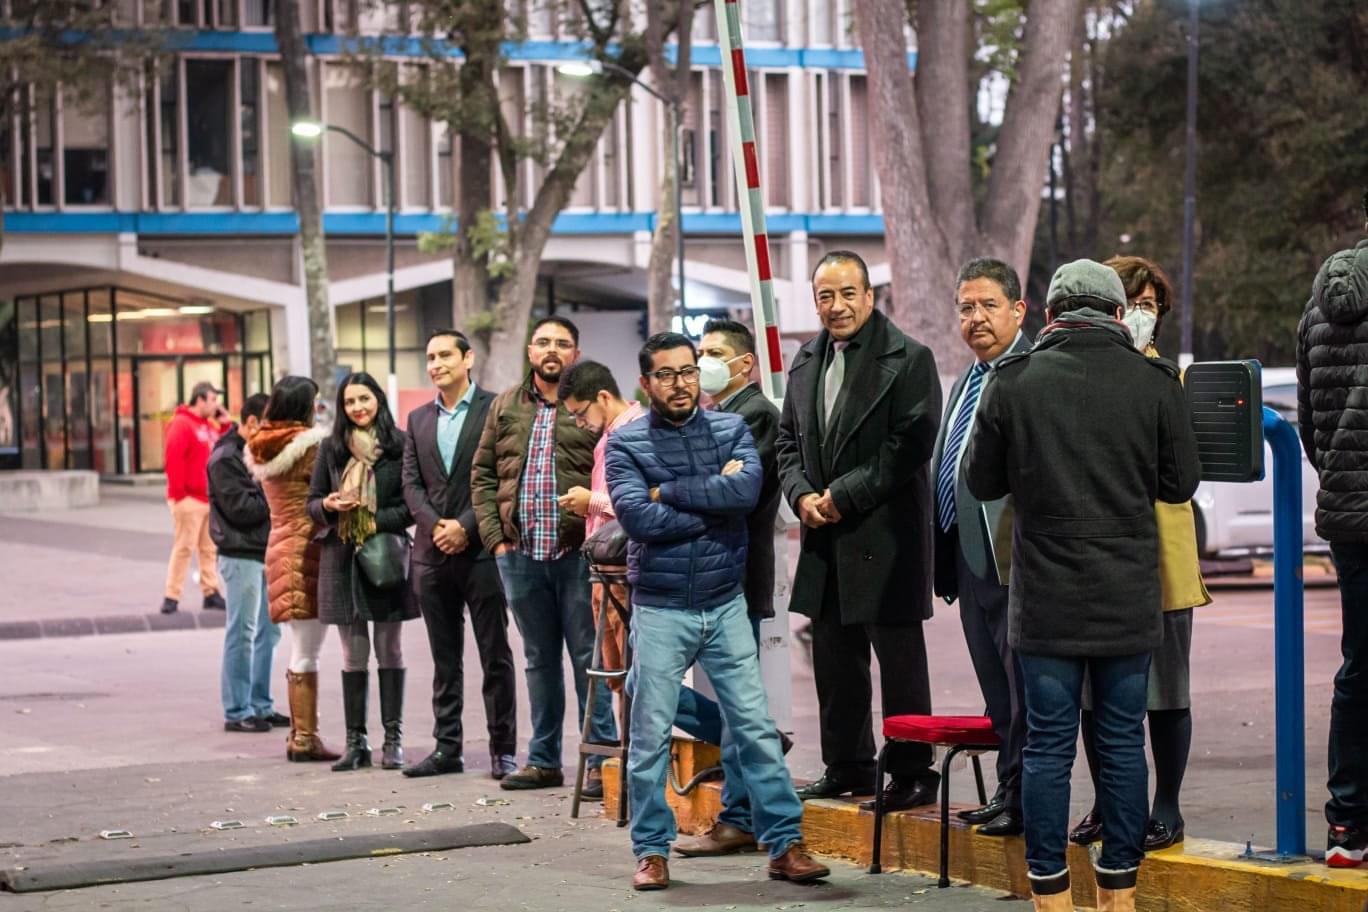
900, 796
1088, 831
983, 814
831, 787
1008, 823
436, 764
1159, 835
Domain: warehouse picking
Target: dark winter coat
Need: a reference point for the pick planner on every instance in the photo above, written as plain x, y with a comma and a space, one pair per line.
239, 517
763, 420
498, 467
687, 550
344, 594
876, 460
1332, 393
1085, 433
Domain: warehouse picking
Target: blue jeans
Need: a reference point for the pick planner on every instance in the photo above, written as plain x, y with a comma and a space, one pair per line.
1054, 685
550, 604
702, 718
721, 640
249, 640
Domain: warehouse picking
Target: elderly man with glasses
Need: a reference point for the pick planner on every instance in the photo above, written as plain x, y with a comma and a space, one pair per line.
531, 453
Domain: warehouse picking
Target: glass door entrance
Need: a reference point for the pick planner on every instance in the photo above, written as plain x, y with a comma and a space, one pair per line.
159, 385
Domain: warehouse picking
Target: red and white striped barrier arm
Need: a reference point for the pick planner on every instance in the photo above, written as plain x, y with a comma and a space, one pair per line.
751, 199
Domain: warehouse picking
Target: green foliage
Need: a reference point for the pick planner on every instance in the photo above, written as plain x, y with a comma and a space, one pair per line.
1283, 154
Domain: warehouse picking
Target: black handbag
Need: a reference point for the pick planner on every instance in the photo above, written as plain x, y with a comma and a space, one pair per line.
384, 559
608, 546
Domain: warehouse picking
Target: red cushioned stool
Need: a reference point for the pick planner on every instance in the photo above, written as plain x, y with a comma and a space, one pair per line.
956, 733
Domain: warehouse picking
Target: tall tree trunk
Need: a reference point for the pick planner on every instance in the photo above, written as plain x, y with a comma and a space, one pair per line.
929, 225
673, 83
322, 360
919, 255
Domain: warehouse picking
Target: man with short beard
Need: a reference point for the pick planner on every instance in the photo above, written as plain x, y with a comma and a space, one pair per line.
682, 482
530, 454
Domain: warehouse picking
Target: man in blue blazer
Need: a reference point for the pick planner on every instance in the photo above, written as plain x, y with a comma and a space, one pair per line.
969, 534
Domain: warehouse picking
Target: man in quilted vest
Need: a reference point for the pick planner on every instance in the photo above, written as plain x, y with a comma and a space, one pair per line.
682, 482
1332, 407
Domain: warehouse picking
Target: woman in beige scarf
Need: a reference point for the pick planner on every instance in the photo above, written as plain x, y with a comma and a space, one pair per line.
356, 494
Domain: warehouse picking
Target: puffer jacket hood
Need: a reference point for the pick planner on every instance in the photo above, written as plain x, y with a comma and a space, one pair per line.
282, 458
1341, 286
1332, 393
276, 448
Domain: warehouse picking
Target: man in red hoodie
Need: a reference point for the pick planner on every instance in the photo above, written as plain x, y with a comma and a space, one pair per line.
189, 438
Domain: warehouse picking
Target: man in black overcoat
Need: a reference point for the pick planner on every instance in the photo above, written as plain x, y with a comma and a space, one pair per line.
856, 436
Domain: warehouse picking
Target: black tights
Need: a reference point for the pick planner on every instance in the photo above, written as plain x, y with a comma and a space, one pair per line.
1170, 738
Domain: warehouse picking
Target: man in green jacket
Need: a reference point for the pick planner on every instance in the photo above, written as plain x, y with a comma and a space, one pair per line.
530, 453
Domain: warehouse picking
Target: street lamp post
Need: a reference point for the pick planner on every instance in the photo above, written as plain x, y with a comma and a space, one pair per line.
1185, 356
310, 129
584, 68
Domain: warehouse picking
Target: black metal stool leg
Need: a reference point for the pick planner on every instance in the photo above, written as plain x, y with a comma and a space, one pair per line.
625, 730
595, 663
875, 866
978, 780
945, 815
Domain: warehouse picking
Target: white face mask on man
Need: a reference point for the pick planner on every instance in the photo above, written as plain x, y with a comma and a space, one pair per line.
714, 374
1141, 324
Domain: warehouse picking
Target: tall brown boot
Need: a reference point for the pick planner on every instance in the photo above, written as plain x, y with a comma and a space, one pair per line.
1053, 902
1116, 900
304, 744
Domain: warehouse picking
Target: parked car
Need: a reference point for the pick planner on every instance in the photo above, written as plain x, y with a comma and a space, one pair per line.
1237, 519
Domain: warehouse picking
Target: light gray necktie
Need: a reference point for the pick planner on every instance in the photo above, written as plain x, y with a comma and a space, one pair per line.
835, 375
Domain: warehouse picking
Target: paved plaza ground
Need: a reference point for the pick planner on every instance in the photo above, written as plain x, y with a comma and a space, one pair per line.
123, 731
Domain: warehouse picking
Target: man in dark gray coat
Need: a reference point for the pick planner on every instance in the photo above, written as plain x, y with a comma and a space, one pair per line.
451, 568
855, 440
1085, 433
1332, 408
990, 311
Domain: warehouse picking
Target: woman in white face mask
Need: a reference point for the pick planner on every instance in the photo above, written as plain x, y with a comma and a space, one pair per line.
1149, 298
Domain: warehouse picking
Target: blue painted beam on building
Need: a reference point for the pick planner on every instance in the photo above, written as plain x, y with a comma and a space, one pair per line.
369, 224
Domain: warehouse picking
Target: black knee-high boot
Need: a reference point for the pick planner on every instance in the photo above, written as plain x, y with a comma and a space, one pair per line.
355, 686
1170, 732
392, 715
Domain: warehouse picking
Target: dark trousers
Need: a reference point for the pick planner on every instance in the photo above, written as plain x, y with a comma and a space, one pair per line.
845, 695
1348, 804
983, 615
443, 592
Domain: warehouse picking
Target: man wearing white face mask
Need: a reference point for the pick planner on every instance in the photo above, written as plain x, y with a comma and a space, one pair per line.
1149, 297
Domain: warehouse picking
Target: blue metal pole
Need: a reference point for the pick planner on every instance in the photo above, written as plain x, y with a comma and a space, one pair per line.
1289, 654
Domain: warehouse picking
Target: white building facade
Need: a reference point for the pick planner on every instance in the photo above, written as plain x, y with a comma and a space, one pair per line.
150, 243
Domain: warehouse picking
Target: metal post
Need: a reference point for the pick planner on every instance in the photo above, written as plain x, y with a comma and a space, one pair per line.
392, 386
675, 126
1185, 356
1289, 654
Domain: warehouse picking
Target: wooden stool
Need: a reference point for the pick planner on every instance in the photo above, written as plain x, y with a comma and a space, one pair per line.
957, 734
607, 577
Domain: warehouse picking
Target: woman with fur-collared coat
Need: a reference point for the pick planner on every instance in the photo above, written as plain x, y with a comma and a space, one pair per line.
282, 456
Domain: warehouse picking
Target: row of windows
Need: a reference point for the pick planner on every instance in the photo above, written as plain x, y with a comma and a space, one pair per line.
819, 22
214, 135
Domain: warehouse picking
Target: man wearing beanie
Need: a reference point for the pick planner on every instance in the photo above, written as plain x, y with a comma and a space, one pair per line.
1086, 434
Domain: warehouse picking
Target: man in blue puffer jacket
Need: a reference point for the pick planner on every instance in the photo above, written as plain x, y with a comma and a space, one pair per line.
682, 481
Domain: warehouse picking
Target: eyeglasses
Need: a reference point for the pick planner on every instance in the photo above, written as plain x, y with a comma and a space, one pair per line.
1146, 304
669, 377
564, 345
579, 414
989, 308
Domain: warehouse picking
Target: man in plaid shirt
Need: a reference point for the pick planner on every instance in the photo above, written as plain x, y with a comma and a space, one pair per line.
531, 453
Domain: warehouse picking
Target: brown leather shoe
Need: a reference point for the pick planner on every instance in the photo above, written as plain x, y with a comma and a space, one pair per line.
722, 839
797, 865
652, 873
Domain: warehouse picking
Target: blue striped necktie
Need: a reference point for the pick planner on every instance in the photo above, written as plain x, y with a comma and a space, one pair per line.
949, 467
